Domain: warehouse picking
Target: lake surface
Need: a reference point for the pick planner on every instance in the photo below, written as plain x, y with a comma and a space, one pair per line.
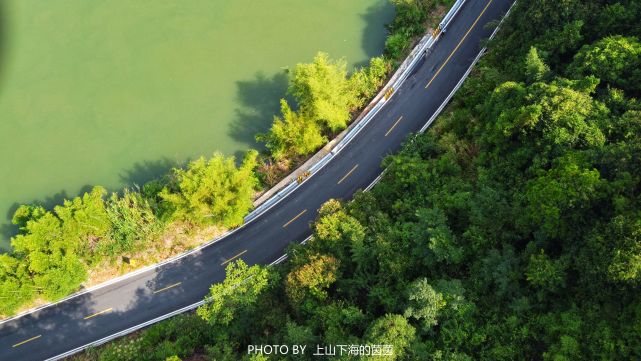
116, 92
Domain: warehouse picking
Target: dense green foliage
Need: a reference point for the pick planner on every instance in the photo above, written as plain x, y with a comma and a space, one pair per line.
54, 250
212, 190
615, 60
133, 224
325, 96
511, 230
322, 92
181, 335
410, 22
292, 134
241, 288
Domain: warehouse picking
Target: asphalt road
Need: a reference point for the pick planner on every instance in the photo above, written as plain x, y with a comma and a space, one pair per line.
103, 312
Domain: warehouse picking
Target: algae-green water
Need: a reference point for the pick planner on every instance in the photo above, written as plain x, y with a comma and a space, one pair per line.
114, 92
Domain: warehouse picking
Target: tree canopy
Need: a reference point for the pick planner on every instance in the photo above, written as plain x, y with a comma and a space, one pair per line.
213, 190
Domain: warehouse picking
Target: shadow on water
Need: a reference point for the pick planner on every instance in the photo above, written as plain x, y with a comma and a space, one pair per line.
7, 230
374, 33
259, 99
143, 172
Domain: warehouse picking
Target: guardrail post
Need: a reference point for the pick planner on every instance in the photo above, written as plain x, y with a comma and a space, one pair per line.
450, 14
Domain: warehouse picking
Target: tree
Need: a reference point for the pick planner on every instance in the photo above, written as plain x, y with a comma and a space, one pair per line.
435, 241
298, 335
538, 122
63, 276
241, 288
556, 197
293, 134
133, 224
56, 246
312, 279
16, 286
50, 257
84, 220
391, 330
338, 322
366, 81
322, 91
535, 67
626, 128
545, 272
397, 44
499, 273
213, 191
559, 42
338, 232
620, 247
563, 332
410, 18
615, 60
424, 303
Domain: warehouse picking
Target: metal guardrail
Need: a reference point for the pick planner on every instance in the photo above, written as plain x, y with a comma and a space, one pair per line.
404, 70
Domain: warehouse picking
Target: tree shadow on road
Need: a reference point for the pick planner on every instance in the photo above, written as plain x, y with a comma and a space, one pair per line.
85, 318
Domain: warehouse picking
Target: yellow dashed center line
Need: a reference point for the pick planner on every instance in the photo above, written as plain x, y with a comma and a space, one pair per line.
347, 175
99, 313
25, 341
393, 126
459, 44
295, 218
231, 259
168, 287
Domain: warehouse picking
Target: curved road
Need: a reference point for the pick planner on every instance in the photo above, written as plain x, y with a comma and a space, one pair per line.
91, 316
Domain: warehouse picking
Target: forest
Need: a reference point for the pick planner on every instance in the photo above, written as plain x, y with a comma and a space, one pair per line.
510, 230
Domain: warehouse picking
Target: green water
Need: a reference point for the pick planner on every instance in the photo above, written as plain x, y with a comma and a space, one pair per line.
113, 92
